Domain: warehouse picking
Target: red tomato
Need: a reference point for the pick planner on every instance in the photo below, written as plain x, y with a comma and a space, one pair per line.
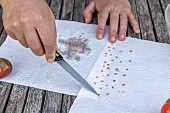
166, 107
5, 67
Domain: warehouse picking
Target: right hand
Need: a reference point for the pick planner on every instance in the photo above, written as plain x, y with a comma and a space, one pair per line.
32, 23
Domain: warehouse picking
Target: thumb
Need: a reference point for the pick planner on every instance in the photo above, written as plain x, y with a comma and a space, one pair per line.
90, 9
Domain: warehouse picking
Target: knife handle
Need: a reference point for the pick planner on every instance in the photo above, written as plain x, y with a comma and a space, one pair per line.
58, 57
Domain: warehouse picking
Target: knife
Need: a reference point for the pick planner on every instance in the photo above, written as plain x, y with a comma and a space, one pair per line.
59, 59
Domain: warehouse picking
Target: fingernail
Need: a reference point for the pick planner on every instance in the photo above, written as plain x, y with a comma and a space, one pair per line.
86, 19
50, 60
138, 30
122, 37
56, 47
113, 39
100, 36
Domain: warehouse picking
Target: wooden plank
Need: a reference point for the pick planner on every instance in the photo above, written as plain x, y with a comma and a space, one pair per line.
164, 4
134, 11
56, 6
3, 37
79, 6
34, 101
67, 103
158, 21
5, 89
1, 22
67, 10
17, 99
53, 102
146, 26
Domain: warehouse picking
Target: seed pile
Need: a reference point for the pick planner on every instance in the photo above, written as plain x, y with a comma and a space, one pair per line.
75, 47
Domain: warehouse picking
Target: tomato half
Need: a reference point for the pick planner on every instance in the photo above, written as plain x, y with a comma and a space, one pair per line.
166, 107
5, 67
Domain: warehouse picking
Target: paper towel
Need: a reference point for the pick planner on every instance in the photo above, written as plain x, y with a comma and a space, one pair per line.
131, 77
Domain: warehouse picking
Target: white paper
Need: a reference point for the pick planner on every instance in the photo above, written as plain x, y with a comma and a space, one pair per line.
33, 71
147, 80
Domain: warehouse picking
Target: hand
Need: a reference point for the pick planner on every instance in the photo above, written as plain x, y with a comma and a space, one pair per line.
119, 12
32, 23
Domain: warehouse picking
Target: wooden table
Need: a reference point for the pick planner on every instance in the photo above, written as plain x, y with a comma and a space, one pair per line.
17, 99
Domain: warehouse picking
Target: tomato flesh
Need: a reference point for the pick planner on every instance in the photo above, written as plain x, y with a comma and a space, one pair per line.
166, 107
5, 67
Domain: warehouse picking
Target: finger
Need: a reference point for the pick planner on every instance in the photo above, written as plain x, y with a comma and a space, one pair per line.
88, 12
10, 33
47, 33
133, 23
123, 26
103, 16
114, 22
21, 38
34, 41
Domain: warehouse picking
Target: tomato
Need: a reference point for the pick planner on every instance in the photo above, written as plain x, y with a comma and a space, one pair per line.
166, 107
5, 67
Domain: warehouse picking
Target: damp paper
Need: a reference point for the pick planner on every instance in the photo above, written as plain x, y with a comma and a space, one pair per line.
78, 45
130, 77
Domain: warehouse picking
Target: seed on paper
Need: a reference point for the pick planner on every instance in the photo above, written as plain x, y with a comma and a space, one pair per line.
104, 61
112, 60
120, 51
103, 65
127, 69
108, 64
94, 82
108, 68
116, 69
107, 94
130, 60
102, 81
114, 80
97, 77
120, 61
123, 84
101, 70
110, 54
108, 46
113, 87
115, 73
98, 94
124, 74
107, 85
109, 50
123, 91
100, 87
116, 57
113, 48
105, 53
108, 74
118, 90
130, 51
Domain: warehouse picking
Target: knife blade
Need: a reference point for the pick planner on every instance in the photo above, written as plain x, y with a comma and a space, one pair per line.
59, 59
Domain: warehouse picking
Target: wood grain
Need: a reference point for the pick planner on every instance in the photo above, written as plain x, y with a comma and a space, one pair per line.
52, 103
145, 21
5, 89
17, 99
158, 21
34, 101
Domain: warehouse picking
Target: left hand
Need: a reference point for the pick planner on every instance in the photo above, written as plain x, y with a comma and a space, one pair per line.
120, 13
